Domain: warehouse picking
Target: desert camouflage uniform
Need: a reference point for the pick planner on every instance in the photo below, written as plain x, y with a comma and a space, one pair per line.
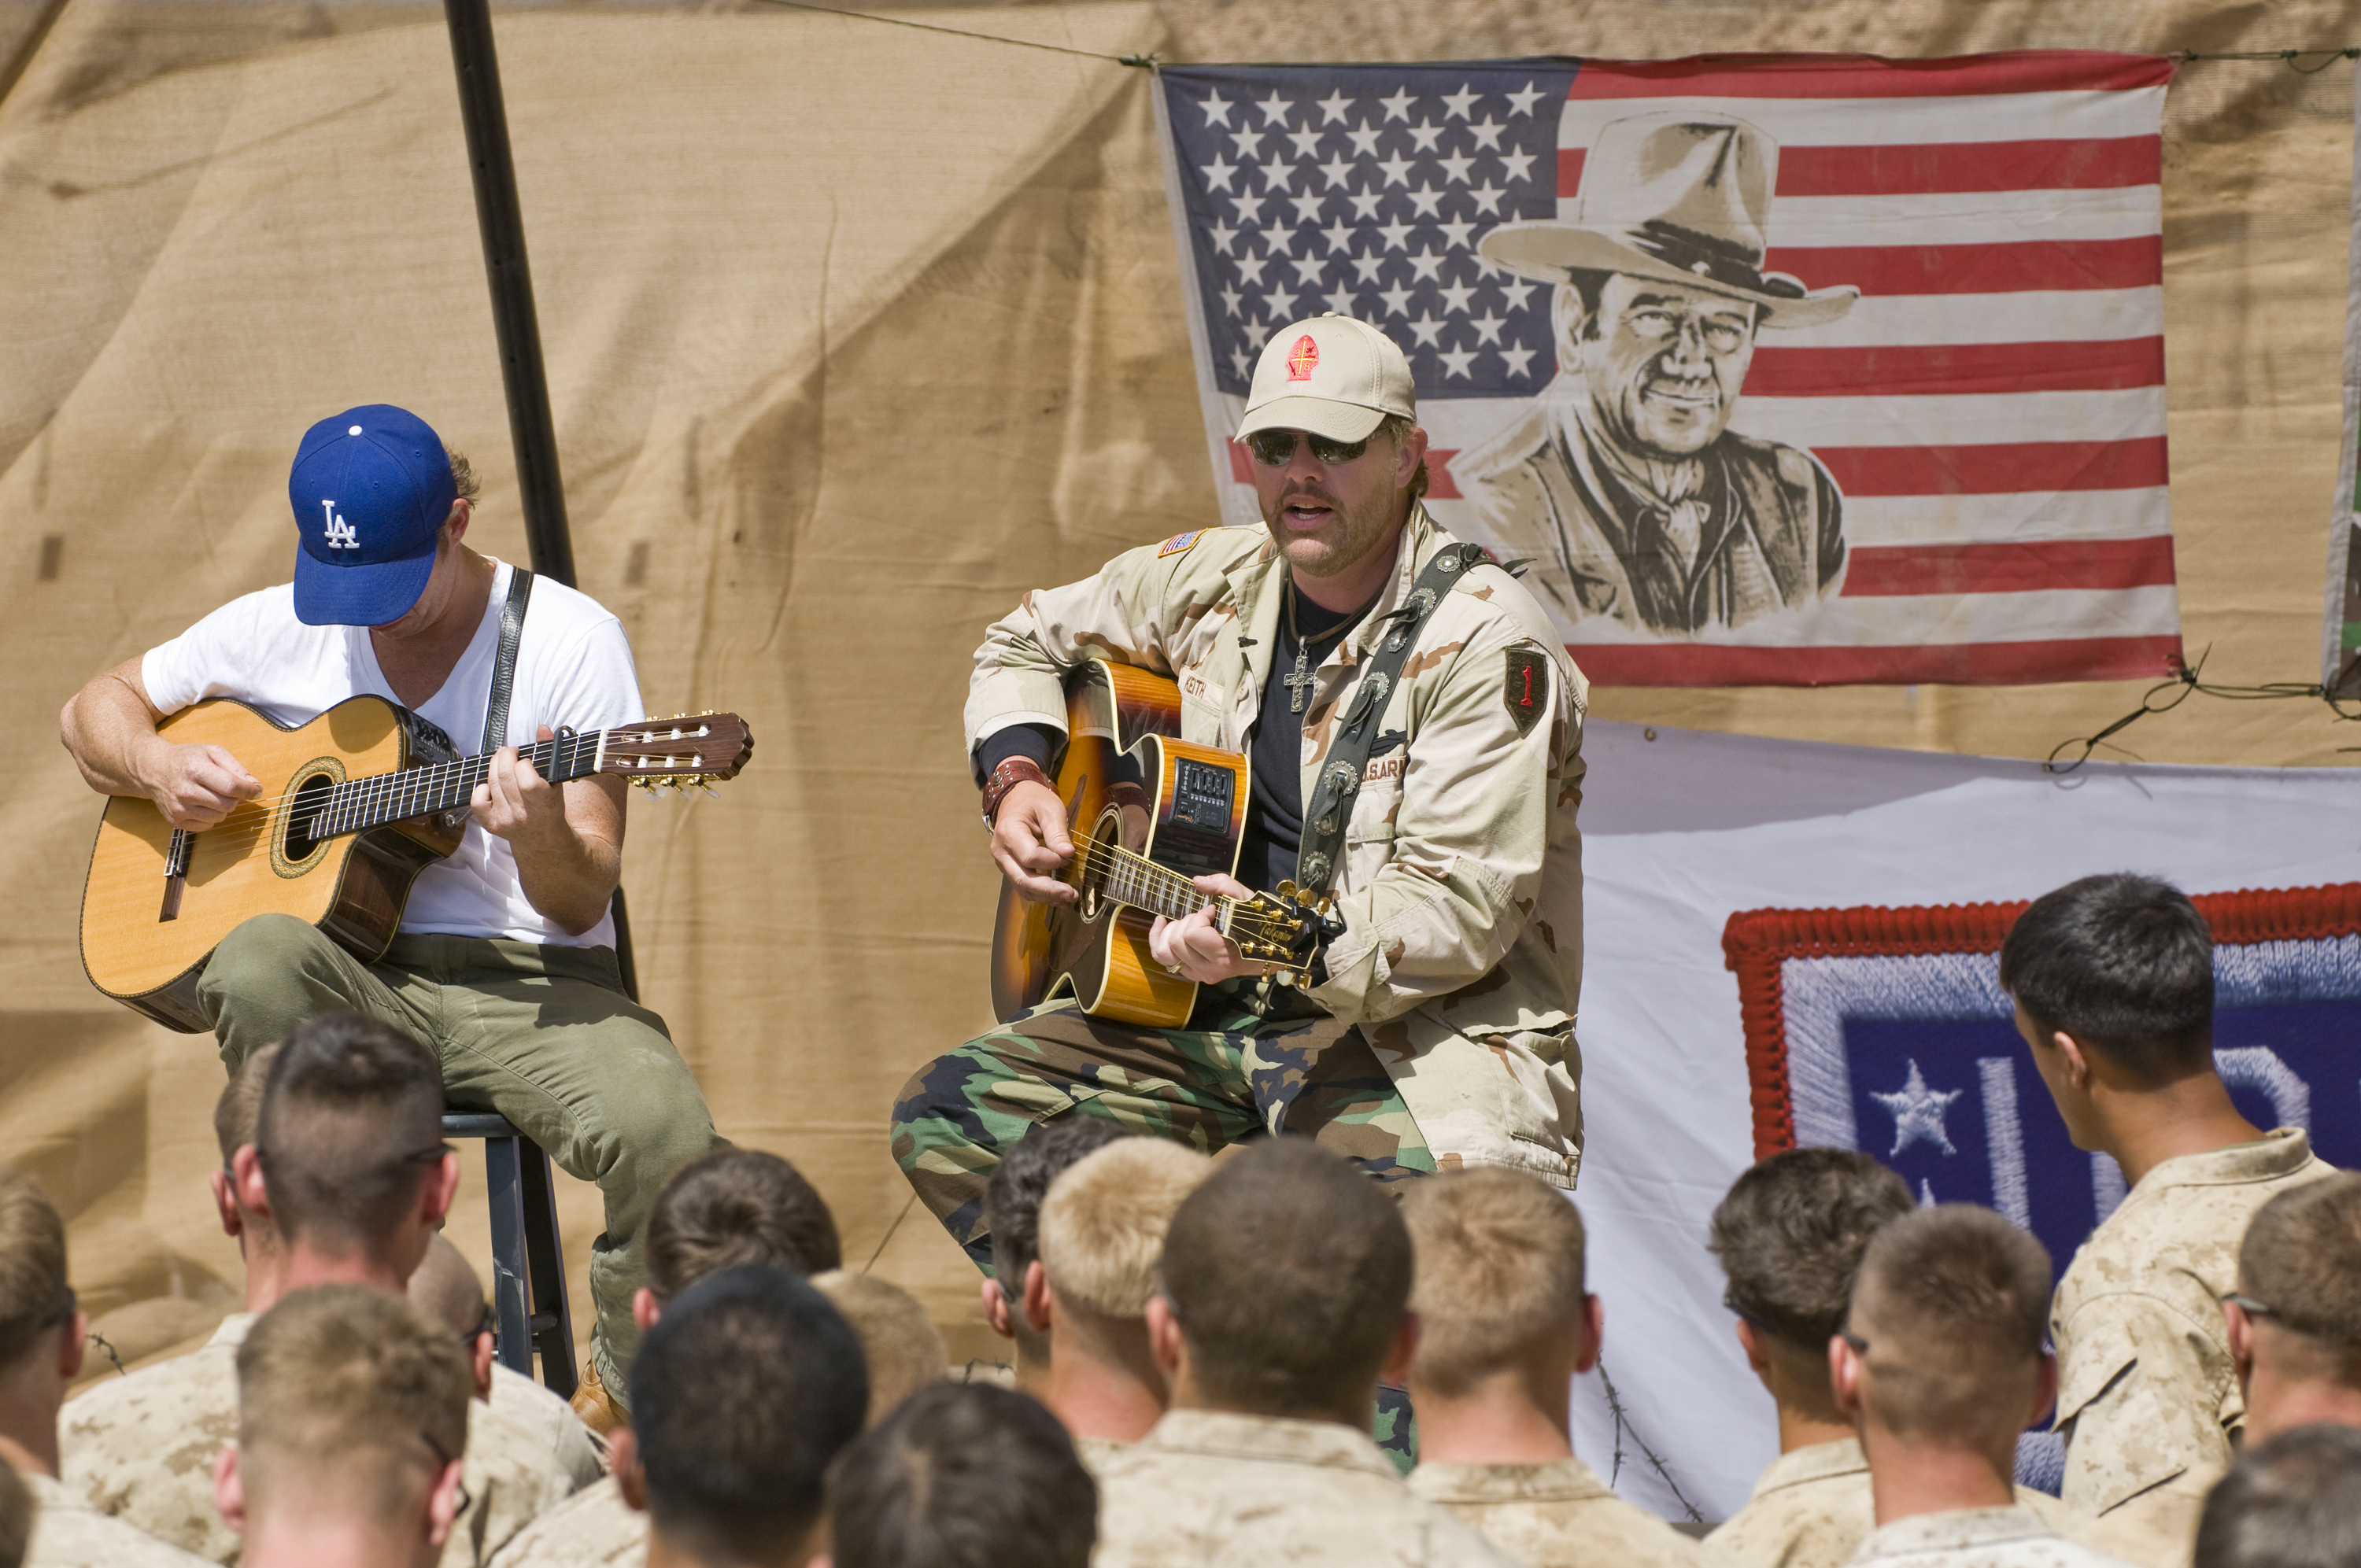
1975, 1538
1094, 1452
1207, 1489
141, 1449
2146, 1390
1812, 1508
1558, 1515
543, 1412
70, 1533
1444, 1034
593, 1528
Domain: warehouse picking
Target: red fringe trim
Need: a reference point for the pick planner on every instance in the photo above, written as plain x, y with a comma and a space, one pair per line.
1756, 942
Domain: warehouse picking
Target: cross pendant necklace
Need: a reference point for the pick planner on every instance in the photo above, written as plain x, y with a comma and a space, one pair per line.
1300, 682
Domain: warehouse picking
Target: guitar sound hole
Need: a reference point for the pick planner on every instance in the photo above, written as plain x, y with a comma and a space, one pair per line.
311, 796
1091, 877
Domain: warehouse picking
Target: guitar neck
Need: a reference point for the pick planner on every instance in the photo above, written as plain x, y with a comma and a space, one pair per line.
359, 805
1143, 884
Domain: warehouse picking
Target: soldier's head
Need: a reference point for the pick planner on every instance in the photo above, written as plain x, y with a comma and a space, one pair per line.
41, 1327
1102, 1229
1790, 1234
903, 1347
2288, 1503
1943, 1346
2295, 1322
445, 1287
1331, 428
2113, 979
353, 1420
1286, 1289
1014, 1298
348, 1158
1503, 1320
964, 1476
235, 1115
742, 1396
730, 1208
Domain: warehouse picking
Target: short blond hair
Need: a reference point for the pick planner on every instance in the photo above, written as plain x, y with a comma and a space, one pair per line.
33, 1292
335, 1370
1953, 1304
1499, 1273
901, 1343
1104, 1222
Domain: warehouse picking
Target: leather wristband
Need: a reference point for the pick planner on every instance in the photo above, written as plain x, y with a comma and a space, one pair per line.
1011, 773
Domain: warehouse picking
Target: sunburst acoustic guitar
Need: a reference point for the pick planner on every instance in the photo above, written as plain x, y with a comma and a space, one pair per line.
1148, 811
354, 806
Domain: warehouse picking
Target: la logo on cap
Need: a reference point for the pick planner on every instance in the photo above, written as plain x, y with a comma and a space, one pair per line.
1303, 359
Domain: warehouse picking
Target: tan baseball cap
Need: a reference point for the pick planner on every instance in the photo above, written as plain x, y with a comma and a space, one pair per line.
1332, 376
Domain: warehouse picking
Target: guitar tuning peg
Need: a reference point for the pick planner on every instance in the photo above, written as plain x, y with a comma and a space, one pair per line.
1286, 888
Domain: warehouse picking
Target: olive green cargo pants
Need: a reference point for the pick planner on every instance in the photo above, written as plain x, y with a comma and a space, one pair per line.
542, 1034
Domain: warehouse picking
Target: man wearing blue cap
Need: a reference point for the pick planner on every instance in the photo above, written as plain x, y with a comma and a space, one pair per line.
505, 963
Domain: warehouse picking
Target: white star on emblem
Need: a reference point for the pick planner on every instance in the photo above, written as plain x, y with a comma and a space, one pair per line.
1274, 109
1486, 132
1424, 135
1426, 265
1339, 172
1217, 110
1428, 330
1398, 106
1455, 361
1519, 359
1926, 1193
1523, 100
1307, 143
1455, 166
1917, 1112
1429, 202
1364, 139
1332, 108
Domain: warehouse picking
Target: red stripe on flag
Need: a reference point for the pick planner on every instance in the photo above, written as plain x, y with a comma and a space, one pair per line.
1913, 369
1948, 663
1999, 469
1869, 75
1440, 486
1241, 463
2016, 267
1874, 571
2098, 163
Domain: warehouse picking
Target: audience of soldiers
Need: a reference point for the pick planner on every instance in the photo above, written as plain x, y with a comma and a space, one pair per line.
1200, 1347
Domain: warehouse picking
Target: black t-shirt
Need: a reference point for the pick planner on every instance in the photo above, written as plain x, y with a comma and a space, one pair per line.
1274, 830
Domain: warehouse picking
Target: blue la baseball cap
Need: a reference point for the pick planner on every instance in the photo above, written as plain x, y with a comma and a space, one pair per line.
371, 488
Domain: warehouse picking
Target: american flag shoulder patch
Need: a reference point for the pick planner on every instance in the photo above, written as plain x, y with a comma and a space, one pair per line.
1180, 541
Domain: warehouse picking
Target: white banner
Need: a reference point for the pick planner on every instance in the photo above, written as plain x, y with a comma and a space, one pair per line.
1686, 829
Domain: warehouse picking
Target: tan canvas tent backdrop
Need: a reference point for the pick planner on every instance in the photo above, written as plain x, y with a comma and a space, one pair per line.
854, 332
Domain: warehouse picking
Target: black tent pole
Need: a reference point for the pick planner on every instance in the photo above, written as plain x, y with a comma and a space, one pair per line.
531, 430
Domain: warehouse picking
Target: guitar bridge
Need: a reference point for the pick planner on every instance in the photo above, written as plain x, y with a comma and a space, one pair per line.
176, 873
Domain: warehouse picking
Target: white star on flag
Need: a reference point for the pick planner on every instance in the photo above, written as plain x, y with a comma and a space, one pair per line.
1332, 108
1424, 135
1398, 104
1524, 98
1462, 100
1917, 1112
1274, 110
1217, 109
1455, 361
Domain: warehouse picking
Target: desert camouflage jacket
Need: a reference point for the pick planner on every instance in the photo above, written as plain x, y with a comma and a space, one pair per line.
2146, 1390
1461, 884
141, 1449
1559, 1514
70, 1533
1976, 1538
593, 1528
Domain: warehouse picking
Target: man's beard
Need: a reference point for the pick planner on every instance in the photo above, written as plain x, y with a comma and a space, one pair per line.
1350, 534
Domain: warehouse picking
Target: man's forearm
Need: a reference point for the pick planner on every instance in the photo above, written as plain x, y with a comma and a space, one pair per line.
571, 883
106, 726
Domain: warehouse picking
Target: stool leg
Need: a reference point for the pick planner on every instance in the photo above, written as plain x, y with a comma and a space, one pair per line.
553, 1322
503, 1177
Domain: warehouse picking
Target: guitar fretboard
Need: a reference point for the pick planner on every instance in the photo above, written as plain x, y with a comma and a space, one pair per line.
359, 805
1140, 883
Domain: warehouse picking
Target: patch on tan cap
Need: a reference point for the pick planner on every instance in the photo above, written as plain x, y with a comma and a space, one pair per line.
1303, 359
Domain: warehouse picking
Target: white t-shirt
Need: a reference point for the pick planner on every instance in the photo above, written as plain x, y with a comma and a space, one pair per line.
574, 666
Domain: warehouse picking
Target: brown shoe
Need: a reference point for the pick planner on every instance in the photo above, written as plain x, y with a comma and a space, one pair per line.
597, 1406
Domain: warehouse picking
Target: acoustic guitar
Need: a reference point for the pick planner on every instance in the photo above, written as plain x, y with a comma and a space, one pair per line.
1148, 811
354, 806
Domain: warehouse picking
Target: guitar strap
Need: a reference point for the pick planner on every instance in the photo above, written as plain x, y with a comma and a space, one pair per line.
1324, 820
496, 712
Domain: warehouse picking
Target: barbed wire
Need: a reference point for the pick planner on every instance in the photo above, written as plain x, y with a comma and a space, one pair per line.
2181, 685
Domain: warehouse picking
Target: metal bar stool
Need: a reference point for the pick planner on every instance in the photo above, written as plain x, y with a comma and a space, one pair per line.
528, 1305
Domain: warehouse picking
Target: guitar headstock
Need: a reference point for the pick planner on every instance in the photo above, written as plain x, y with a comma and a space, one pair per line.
683, 753
1284, 928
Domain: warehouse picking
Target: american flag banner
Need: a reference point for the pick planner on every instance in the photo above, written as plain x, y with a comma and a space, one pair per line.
1777, 369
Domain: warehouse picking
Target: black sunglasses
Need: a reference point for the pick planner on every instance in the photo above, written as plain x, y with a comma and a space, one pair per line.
1273, 447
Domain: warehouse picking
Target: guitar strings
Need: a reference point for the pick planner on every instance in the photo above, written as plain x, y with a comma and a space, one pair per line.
1095, 854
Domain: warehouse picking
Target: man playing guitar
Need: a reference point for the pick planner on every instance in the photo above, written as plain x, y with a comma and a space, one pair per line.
1436, 1028
505, 964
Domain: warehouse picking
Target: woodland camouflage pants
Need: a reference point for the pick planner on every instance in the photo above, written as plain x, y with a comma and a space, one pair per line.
1230, 1077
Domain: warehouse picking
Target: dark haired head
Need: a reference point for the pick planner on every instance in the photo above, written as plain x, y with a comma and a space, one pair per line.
2286, 1504
35, 1298
732, 1207
964, 1476
1290, 1272
2123, 963
1012, 1202
742, 1396
1790, 1234
351, 1121
15, 1518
